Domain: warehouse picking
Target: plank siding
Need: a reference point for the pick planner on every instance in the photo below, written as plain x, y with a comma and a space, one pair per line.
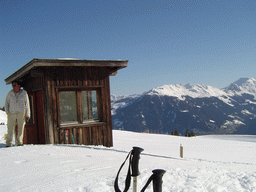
82, 77
93, 135
73, 78
86, 76
34, 84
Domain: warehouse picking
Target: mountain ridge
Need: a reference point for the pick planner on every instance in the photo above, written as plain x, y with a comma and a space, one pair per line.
202, 108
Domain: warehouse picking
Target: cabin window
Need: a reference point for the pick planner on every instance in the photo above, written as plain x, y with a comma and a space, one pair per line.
78, 106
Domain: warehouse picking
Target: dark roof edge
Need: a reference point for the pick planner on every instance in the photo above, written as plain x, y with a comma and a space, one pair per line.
26, 67
117, 64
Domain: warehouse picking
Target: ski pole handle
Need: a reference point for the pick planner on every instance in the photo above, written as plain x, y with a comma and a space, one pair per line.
135, 160
157, 180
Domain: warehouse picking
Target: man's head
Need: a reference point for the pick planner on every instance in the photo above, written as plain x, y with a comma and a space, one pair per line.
16, 86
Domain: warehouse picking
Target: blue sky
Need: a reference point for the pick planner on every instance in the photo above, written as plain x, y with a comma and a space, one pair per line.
209, 42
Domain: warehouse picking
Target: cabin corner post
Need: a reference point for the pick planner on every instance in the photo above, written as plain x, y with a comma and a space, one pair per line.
49, 112
109, 117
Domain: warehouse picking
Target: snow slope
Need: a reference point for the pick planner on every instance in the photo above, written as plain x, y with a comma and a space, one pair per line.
211, 163
3, 117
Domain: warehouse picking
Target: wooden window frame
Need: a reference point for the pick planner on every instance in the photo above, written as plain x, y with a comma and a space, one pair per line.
79, 107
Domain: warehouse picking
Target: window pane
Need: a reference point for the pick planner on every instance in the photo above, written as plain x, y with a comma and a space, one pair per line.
68, 109
89, 102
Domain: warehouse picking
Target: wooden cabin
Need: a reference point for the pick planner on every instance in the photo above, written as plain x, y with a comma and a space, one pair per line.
69, 100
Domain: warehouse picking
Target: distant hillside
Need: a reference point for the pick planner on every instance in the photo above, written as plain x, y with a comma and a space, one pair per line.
201, 108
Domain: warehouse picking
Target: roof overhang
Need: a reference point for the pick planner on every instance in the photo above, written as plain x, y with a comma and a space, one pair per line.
34, 63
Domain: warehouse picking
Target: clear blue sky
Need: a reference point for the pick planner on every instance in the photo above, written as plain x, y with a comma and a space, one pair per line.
209, 42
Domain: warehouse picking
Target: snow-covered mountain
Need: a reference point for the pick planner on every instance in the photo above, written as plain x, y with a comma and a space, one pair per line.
242, 86
201, 108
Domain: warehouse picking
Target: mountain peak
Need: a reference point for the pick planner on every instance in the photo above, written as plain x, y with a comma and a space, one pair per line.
241, 81
242, 85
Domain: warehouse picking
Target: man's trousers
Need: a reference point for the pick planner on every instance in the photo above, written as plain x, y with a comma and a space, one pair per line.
14, 119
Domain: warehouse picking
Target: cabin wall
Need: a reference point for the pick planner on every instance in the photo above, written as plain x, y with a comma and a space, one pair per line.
97, 133
33, 84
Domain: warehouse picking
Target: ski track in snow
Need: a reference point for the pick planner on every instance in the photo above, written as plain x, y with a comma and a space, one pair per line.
216, 163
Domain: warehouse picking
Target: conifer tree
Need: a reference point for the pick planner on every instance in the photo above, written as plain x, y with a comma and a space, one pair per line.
176, 133
192, 134
187, 134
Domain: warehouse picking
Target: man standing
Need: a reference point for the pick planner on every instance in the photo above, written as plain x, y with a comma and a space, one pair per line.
18, 112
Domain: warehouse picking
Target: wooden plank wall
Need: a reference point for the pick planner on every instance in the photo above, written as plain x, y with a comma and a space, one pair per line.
77, 77
80, 76
94, 135
34, 84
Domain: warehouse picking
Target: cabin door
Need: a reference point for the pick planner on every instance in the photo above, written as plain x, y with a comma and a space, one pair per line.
34, 132
40, 117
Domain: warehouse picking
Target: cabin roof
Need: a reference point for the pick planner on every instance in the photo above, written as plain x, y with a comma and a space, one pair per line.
34, 63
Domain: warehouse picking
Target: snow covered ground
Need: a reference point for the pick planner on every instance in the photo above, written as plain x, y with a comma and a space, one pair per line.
210, 163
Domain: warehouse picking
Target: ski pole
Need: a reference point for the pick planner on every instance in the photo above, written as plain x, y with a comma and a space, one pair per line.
132, 167
157, 180
135, 165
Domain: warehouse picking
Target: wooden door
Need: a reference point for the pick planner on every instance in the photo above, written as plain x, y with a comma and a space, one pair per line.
40, 117
34, 132
30, 130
